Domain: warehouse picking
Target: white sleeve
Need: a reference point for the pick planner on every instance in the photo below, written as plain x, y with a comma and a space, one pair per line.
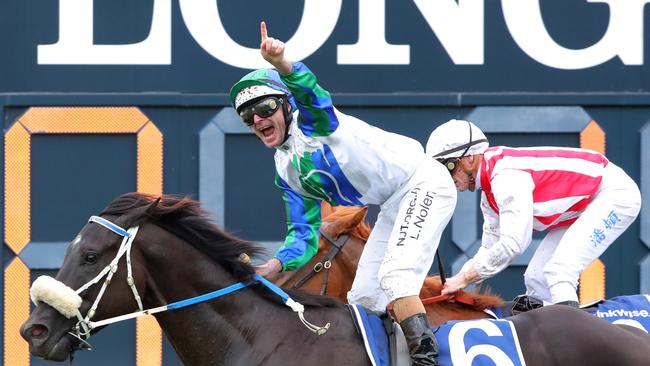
490, 223
513, 231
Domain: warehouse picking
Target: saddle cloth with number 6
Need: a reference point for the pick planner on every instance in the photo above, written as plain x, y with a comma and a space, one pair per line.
479, 342
484, 342
487, 342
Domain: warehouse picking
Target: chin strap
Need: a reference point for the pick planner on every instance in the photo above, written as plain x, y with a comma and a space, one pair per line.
472, 178
288, 118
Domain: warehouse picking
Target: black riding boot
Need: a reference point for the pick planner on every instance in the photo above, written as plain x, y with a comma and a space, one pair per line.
420, 339
573, 304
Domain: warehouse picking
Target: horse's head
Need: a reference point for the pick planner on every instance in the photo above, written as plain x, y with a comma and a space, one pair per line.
130, 258
99, 256
90, 262
347, 220
343, 236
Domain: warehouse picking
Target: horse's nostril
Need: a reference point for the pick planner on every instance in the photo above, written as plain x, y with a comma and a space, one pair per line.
38, 330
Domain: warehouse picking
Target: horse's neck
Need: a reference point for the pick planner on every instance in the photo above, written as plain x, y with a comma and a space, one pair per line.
241, 328
238, 328
199, 332
222, 331
244, 328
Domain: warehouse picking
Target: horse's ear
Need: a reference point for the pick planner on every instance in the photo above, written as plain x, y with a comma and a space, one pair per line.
325, 209
352, 218
137, 215
359, 216
152, 206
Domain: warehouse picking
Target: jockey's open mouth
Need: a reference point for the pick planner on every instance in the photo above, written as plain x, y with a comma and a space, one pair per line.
267, 131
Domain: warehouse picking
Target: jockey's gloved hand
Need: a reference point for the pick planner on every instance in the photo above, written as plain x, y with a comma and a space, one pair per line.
272, 266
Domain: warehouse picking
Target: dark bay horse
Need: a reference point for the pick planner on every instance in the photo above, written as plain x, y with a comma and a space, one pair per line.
347, 226
178, 254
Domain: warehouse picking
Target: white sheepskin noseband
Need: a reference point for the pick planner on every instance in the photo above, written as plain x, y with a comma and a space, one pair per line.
56, 294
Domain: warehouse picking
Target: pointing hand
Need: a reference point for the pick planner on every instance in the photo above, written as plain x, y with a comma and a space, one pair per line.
272, 50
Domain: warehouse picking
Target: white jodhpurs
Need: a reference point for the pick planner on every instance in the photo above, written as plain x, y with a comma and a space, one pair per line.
403, 242
555, 268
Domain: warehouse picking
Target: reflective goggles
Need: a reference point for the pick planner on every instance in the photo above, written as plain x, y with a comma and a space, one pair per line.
450, 163
264, 108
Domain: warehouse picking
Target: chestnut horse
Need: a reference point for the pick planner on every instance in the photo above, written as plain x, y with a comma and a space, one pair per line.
347, 226
174, 252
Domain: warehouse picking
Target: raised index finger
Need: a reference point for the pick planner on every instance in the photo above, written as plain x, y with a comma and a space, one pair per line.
263, 30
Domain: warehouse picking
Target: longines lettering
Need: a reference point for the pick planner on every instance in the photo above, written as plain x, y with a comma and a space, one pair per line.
623, 37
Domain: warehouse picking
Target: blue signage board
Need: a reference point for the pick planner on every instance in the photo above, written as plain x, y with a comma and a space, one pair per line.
414, 47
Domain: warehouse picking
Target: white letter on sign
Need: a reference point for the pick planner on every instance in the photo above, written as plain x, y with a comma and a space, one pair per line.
202, 19
458, 26
623, 38
76, 46
372, 48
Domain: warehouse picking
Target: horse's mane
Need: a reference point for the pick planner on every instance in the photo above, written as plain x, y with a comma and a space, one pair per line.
185, 218
483, 297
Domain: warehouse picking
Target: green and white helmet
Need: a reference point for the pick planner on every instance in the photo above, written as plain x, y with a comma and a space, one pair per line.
257, 84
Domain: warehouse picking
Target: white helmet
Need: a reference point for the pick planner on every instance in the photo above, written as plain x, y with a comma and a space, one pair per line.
254, 92
455, 139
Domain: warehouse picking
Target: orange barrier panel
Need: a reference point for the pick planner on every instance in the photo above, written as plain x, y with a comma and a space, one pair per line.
592, 279
68, 120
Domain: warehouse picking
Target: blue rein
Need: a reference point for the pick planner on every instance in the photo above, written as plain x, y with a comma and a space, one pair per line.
295, 306
227, 290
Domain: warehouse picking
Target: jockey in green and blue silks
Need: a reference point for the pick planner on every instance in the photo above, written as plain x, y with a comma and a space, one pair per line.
326, 155
322, 154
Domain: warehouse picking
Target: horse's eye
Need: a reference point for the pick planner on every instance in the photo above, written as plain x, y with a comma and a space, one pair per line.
91, 257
